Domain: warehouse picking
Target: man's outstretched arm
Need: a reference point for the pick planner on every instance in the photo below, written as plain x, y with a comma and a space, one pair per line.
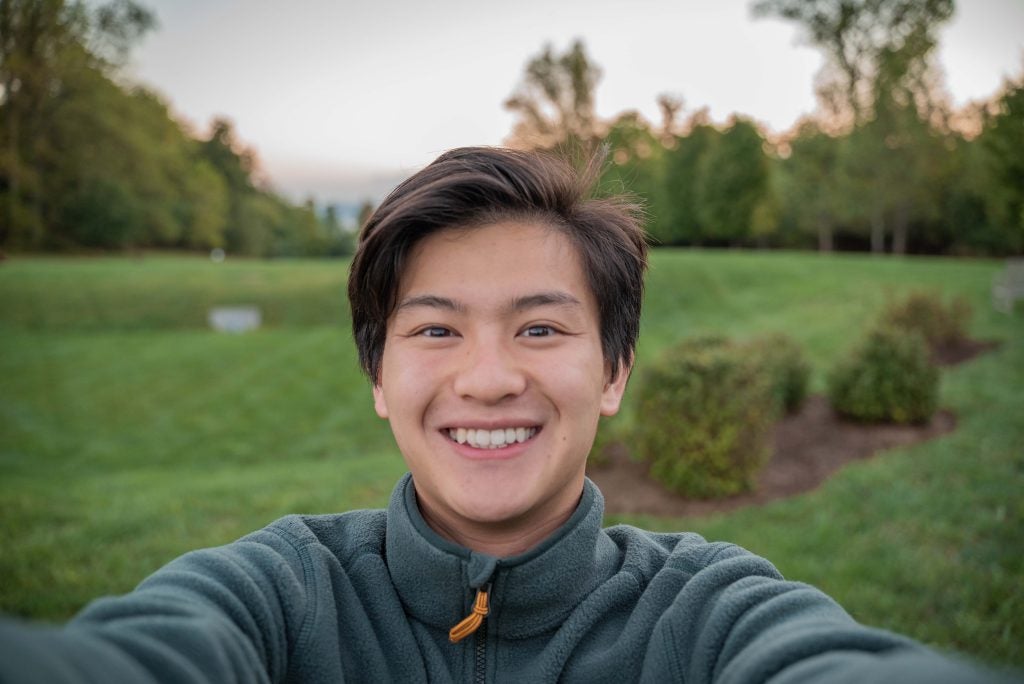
226, 614
744, 623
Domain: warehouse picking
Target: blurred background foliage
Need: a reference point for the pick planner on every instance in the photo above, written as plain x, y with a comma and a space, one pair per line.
90, 161
885, 165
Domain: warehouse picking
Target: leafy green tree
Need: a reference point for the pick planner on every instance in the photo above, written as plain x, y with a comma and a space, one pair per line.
680, 219
555, 100
808, 184
873, 49
893, 171
204, 207
340, 241
636, 167
51, 51
880, 84
965, 227
1001, 148
732, 183
366, 210
253, 217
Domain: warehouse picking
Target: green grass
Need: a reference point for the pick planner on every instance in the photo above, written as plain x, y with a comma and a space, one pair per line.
129, 433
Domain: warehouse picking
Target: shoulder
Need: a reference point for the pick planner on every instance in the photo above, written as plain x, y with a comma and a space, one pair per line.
287, 553
343, 535
646, 554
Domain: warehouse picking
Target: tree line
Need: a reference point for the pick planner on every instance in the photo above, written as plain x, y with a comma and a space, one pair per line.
886, 164
89, 162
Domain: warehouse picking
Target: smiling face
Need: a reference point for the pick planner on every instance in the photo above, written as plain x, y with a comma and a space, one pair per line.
493, 380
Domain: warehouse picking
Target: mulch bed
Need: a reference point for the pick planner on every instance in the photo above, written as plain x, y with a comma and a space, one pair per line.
809, 446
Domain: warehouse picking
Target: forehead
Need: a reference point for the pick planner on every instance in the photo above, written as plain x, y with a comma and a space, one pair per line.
502, 256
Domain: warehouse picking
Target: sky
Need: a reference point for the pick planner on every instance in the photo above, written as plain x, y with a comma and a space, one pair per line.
343, 99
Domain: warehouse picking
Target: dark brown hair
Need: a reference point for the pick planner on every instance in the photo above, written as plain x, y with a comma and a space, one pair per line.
473, 186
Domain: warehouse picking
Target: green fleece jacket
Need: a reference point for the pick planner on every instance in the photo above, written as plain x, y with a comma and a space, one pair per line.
371, 595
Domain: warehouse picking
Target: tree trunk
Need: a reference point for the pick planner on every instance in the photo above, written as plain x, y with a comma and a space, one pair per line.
9, 230
824, 237
899, 232
877, 234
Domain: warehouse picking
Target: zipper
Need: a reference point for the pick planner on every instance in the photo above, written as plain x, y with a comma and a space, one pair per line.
480, 658
471, 625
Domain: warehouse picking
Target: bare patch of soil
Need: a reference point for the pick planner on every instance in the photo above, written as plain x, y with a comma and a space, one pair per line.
808, 447
963, 350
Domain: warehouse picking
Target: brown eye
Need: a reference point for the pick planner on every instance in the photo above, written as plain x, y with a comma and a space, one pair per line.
539, 331
435, 331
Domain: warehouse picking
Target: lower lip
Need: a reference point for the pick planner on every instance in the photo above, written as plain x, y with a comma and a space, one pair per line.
501, 454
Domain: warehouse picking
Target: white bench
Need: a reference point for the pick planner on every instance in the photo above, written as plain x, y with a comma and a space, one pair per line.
1008, 285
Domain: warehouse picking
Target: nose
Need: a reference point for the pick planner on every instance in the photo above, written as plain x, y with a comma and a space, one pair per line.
489, 372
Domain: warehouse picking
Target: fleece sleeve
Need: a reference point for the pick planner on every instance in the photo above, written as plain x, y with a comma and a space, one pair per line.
227, 614
738, 621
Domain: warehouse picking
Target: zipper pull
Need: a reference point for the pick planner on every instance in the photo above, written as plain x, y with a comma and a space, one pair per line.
471, 622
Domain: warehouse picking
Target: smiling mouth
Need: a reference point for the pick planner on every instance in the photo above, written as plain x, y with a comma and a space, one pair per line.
491, 439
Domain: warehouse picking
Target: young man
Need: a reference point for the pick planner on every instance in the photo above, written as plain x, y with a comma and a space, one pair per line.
496, 309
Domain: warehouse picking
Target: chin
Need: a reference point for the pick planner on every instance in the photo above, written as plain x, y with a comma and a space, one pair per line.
490, 509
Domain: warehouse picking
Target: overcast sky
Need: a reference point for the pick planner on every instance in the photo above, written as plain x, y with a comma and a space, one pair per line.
341, 99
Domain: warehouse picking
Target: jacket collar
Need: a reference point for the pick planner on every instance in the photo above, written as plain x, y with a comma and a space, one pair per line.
530, 593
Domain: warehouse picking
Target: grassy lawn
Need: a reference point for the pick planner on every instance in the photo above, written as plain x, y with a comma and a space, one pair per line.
129, 433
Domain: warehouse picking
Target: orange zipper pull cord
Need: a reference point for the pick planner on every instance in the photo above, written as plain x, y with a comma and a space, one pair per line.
472, 622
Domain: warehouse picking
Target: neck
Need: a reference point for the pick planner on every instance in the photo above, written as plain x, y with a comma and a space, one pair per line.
502, 539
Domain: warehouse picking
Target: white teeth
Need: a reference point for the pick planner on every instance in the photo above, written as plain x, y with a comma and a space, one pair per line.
491, 439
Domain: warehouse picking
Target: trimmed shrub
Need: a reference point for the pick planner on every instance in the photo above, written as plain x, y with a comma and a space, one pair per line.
704, 416
782, 360
888, 378
940, 324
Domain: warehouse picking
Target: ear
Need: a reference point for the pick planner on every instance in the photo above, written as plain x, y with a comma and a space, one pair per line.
380, 405
611, 395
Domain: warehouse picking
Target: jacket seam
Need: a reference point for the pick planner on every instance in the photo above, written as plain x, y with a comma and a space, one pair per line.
301, 546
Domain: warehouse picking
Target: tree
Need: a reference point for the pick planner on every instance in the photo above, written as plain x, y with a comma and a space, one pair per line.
1001, 144
50, 51
874, 49
366, 210
879, 84
636, 167
683, 157
670, 106
555, 100
340, 240
732, 183
809, 185
891, 174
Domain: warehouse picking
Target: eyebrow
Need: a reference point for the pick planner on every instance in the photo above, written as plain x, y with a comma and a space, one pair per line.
432, 301
531, 301
551, 298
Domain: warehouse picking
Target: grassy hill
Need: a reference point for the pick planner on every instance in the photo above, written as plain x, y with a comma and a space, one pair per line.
130, 433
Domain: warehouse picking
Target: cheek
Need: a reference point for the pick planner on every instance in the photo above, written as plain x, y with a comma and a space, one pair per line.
576, 387
405, 388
